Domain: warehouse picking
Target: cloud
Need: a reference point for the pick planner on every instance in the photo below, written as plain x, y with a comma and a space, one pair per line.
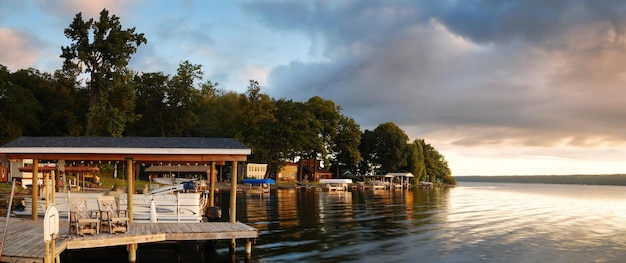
531, 73
89, 9
24, 50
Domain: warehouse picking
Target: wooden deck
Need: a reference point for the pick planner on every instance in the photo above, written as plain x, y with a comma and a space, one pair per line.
24, 239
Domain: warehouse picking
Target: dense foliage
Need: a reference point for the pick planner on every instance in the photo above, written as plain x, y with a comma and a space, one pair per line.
115, 101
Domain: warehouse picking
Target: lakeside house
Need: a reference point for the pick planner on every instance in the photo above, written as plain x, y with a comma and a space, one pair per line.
306, 170
256, 170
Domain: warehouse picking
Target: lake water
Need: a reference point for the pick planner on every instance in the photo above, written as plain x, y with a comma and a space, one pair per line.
473, 222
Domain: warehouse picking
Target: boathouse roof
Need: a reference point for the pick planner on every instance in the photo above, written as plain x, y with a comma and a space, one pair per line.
189, 149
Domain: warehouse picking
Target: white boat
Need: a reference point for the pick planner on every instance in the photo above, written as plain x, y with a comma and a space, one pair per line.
426, 184
172, 180
167, 206
335, 184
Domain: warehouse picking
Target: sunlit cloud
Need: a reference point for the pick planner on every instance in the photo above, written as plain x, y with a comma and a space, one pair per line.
20, 49
89, 9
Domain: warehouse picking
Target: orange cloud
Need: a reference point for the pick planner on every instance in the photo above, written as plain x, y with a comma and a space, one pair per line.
90, 9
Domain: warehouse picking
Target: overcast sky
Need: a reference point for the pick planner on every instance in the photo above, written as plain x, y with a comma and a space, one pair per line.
498, 87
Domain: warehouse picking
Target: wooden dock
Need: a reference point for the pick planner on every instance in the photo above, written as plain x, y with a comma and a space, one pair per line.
24, 238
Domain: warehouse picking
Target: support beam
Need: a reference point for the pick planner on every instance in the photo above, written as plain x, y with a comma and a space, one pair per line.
233, 193
233, 203
35, 193
212, 180
131, 187
130, 175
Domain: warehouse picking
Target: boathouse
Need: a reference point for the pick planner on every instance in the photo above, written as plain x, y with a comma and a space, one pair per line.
132, 152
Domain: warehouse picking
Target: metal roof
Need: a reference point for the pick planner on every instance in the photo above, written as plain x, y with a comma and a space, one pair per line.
116, 148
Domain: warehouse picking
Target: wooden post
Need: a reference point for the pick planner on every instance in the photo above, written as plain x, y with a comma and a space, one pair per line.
233, 203
212, 179
54, 187
46, 176
132, 247
233, 193
132, 252
248, 249
35, 193
131, 188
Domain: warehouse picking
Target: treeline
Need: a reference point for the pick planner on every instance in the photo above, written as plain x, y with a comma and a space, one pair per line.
95, 94
604, 179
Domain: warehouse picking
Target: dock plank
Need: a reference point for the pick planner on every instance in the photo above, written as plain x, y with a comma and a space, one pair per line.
24, 241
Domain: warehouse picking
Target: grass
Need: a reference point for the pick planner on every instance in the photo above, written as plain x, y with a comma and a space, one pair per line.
108, 182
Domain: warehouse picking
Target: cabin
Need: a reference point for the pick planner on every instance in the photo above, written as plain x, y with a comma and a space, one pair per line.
256, 170
312, 170
289, 173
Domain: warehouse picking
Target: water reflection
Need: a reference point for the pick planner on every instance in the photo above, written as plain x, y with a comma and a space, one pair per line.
318, 226
470, 223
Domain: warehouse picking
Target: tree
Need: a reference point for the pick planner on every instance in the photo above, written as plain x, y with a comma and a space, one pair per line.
420, 166
412, 163
436, 165
346, 143
150, 93
324, 123
291, 134
57, 97
103, 49
257, 115
368, 164
390, 147
18, 109
181, 100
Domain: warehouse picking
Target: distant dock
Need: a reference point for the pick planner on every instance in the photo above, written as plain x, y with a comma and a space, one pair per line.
24, 238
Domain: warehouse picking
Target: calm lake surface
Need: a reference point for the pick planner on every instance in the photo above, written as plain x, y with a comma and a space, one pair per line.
473, 222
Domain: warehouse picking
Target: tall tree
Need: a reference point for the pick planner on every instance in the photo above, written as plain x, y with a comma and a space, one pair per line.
257, 113
368, 164
346, 144
182, 99
103, 49
437, 168
390, 147
291, 135
420, 172
323, 123
384, 150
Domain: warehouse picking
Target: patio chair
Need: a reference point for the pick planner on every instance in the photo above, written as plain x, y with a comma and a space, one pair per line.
110, 217
81, 221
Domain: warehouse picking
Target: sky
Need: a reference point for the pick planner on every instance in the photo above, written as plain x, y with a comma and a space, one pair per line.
520, 87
